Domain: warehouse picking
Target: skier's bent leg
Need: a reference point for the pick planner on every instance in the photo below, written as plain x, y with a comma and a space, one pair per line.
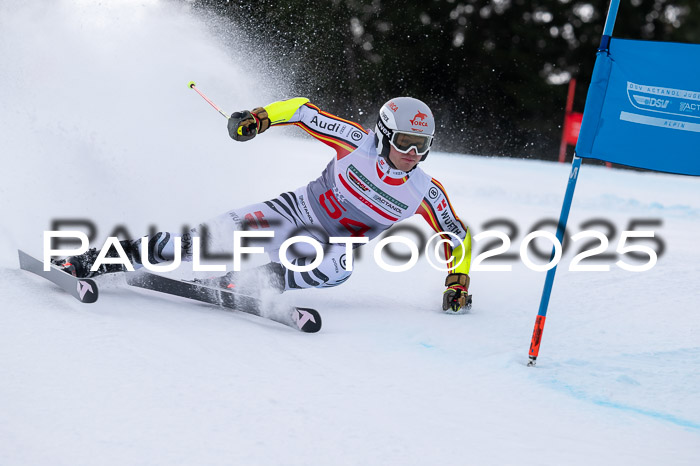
160, 248
331, 271
274, 276
281, 216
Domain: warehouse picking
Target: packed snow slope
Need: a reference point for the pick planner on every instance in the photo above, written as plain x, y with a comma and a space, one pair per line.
96, 122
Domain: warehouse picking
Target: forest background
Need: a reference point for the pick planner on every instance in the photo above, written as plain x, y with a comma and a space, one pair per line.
494, 72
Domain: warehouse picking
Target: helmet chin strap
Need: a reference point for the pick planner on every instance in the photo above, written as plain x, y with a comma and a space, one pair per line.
391, 164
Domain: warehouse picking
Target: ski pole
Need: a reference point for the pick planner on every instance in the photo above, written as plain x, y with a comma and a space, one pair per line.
192, 85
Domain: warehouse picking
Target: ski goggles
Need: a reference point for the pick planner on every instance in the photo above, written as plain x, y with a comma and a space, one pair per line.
404, 142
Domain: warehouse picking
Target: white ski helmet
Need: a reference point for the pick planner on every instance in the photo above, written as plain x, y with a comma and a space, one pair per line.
404, 123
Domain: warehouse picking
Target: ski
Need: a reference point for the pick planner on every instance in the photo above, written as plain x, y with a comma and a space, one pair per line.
82, 289
303, 319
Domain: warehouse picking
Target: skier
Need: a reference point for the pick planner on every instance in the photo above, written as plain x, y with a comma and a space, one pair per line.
372, 182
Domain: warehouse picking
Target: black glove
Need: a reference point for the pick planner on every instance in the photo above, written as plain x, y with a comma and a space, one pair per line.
242, 126
245, 125
455, 299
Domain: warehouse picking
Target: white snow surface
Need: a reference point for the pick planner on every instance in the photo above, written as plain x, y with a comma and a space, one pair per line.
97, 122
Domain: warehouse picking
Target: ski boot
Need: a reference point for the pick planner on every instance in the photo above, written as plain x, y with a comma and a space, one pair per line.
79, 266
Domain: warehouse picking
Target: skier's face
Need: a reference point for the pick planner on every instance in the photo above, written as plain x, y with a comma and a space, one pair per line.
405, 162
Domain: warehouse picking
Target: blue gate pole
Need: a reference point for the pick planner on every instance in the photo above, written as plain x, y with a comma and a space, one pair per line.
610, 19
609, 26
566, 207
549, 280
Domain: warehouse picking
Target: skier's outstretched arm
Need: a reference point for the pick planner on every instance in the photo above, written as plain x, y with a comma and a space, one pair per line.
245, 125
438, 212
342, 135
